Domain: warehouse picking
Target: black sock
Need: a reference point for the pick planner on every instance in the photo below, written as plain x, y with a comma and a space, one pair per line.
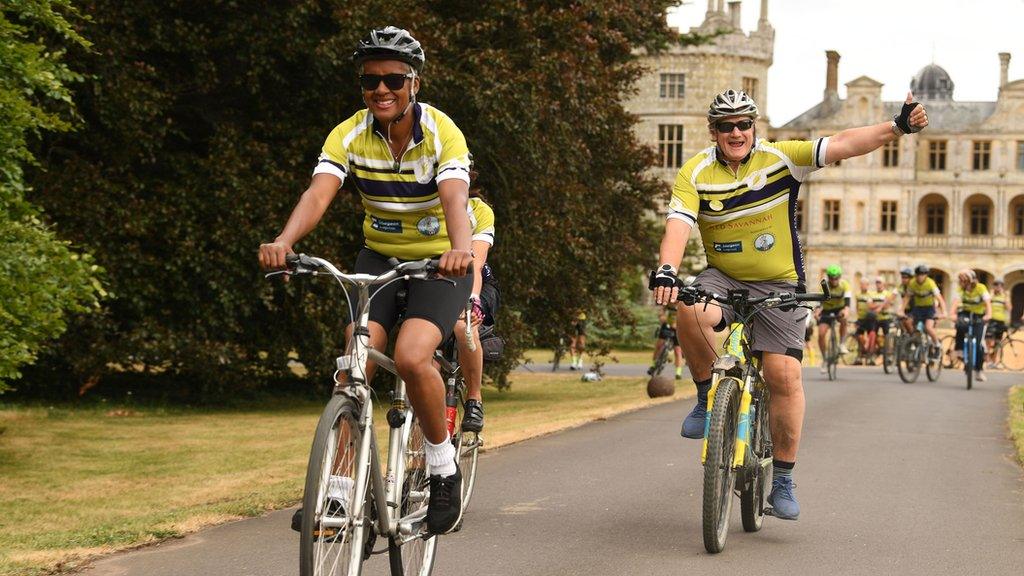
782, 468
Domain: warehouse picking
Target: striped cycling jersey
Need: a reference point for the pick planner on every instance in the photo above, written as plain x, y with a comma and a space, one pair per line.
922, 294
404, 217
973, 300
886, 312
481, 220
747, 219
840, 295
869, 297
999, 307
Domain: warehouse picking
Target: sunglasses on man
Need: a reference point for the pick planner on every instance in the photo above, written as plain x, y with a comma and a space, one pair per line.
369, 82
725, 127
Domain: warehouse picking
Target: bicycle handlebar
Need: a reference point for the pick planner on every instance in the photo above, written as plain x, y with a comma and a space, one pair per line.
301, 264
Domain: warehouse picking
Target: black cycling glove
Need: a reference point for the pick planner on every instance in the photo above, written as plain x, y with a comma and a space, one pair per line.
902, 119
664, 277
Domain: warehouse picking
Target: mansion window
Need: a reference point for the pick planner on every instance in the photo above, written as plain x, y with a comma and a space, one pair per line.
891, 154
888, 216
980, 215
937, 155
672, 85
982, 154
935, 219
1018, 220
750, 87
831, 214
670, 145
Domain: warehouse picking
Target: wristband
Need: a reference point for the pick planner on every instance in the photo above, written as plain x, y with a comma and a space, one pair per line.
896, 129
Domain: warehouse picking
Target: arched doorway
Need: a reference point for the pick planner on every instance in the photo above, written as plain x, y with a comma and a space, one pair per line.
1015, 220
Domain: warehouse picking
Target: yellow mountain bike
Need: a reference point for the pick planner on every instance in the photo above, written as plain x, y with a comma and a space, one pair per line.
737, 451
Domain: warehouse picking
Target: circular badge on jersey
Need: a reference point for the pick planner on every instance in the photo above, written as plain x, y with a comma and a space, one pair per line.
716, 205
429, 225
764, 242
758, 181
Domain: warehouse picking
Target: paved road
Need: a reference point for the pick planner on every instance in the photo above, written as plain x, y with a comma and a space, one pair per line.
892, 479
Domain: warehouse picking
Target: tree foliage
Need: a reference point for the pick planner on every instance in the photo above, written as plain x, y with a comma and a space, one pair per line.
41, 279
203, 127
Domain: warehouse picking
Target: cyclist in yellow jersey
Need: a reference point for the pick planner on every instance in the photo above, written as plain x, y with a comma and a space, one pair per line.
834, 311
742, 192
1001, 305
471, 362
887, 298
926, 303
410, 163
578, 340
666, 336
869, 308
971, 297
900, 294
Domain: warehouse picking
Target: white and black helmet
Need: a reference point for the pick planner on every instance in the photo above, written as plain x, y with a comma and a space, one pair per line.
732, 103
390, 43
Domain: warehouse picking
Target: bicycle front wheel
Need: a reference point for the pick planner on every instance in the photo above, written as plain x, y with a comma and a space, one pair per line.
415, 555
908, 364
719, 475
331, 543
933, 361
1011, 354
832, 354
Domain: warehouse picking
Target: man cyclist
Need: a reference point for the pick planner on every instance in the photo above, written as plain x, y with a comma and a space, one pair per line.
971, 297
666, 336
869, 307
888, 304
997, 325
903, 297
741, 192
410, 163
926, 304
833, 312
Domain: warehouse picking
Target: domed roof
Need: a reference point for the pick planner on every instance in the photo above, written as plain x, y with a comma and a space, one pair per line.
932, 83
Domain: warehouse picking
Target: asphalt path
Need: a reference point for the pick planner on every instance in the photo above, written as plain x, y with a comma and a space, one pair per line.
892, 478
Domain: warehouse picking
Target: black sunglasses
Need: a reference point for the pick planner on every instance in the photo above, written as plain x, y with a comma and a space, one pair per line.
369, 82
726, 127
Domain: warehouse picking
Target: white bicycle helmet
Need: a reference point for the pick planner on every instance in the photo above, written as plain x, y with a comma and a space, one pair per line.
731, 103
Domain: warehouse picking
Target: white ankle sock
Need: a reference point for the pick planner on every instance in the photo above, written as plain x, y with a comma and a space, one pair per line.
440, 457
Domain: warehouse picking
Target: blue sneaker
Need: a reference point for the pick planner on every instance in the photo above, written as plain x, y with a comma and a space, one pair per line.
693, 424
782, 499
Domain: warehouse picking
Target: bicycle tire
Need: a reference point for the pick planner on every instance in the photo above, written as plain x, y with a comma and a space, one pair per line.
907, 363
755, 487
415, 557
889, 354
970, 349
719, 475
1011, 354
932, 365
340, 419
662, 359
832, 357
467, 445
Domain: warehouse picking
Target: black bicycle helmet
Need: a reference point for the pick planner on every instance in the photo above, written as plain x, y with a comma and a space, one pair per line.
906, 271
922, 269
731, 103
390, 43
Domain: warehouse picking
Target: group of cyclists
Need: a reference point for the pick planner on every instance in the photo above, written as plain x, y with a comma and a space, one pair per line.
917, 299
412, 168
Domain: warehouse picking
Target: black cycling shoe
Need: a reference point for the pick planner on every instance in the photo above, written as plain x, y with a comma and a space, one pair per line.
473, 419
444, 510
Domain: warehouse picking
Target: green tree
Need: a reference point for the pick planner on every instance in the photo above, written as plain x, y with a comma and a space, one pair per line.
42, 279
203, 126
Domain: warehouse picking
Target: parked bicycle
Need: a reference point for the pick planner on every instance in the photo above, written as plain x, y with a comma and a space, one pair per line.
349, 499
914, 351
737, 450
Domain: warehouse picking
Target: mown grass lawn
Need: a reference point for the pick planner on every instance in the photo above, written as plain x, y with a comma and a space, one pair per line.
1016, 418
78, 482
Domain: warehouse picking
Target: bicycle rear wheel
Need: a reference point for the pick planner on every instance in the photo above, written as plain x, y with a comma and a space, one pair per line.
970, 349
907, 362
328, 537
467, 444
758, 467
415, 556
719, 475
1011, 354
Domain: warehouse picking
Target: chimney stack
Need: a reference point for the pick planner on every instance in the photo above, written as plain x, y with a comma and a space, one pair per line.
1004, 68
832, 74
764, 12
721, 6
734, 14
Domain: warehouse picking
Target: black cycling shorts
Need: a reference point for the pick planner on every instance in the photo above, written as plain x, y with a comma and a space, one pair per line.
437, 301
490, 301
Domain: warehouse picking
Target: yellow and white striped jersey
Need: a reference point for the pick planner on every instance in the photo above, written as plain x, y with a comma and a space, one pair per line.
404, 217
747, 220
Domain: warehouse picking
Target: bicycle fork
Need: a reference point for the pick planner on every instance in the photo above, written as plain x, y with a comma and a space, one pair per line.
744, 419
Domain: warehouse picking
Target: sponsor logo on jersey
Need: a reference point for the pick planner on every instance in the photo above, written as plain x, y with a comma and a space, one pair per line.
728, 246
383, 225
764, 242
429, 225
716, 205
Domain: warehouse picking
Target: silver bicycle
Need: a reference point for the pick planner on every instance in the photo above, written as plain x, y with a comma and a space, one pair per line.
349, 500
